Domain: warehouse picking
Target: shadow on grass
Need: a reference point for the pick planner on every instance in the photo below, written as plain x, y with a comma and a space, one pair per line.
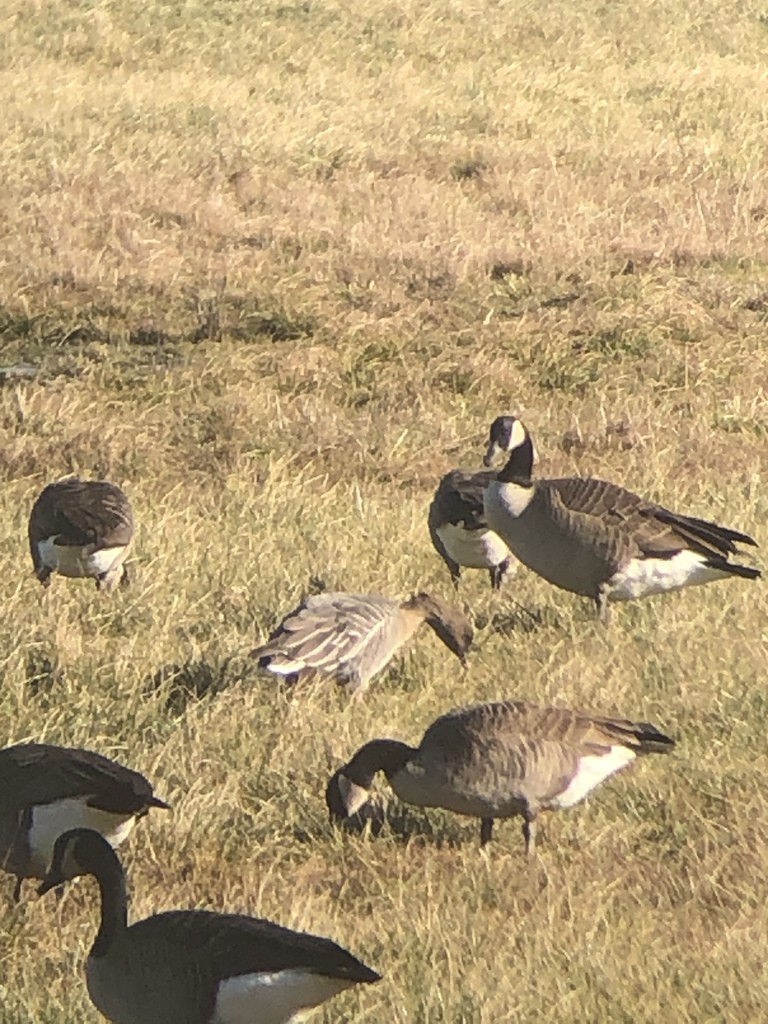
404, 826
519, 619
187, 683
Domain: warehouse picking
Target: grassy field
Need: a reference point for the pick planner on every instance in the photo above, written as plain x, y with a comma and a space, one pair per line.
279, 264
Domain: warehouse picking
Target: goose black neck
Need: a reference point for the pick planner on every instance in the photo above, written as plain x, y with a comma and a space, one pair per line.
388, 756
519, 466
114, 903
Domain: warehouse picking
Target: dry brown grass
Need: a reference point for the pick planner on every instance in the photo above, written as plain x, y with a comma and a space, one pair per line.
279, 265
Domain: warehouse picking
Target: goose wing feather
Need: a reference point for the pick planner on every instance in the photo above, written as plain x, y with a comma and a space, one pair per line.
229, 945
327, 631
36, 773
523, 751
621, 524
459, 500
80, 512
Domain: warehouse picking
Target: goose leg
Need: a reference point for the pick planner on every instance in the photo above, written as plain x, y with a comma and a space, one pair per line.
17, 889
529, 834
486, 830
603, 608
498, 574
44, 575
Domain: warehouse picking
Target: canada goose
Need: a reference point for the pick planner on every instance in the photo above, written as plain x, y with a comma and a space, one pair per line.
45, 790
596, 538
459, 530
353, 636
497, 760
81, 528
196, 966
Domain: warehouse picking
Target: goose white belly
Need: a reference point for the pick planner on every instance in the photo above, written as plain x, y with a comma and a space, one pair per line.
50, 820
274, 998
592, 770
473, 549
641, 577
78, 561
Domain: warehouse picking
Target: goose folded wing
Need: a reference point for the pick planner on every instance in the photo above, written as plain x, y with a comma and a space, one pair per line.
88, 513
230, 945
39, 775
707, 537
325, 631
459, 500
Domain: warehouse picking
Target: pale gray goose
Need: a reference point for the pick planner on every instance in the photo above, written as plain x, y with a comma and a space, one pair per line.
598, 539
459, 530
497, 760
197, 966
81, 528
351, 637
46, 790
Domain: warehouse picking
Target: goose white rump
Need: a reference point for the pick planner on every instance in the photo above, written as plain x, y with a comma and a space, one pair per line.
273, 998
78, 561
593, 769
642, 577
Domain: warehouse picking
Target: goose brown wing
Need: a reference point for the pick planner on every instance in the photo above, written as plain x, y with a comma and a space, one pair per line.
642, 737
80, 512
459, 500
37, 773
702, 535
652, 530
326, 631
508, 747
228, 945
601, 500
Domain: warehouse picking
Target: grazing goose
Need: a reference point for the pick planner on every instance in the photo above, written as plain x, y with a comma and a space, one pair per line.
459, 530
81, 528
46, 790
353, 636
497, 760
596, 538
196, 966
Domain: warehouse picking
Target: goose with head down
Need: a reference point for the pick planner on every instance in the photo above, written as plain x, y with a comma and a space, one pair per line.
497, 760
81, 528
352, 637
459, 530
46, 790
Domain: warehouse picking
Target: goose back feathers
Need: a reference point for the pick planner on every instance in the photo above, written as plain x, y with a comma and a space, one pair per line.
498, 760
81, 528
596, 538
459, 530
351, 637
197, 966
46, 790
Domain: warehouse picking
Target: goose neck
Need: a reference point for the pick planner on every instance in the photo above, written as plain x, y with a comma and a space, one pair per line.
519, 467
387, 756
110, 878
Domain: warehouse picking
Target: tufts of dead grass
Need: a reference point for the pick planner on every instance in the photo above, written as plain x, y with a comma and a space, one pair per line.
278, 267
